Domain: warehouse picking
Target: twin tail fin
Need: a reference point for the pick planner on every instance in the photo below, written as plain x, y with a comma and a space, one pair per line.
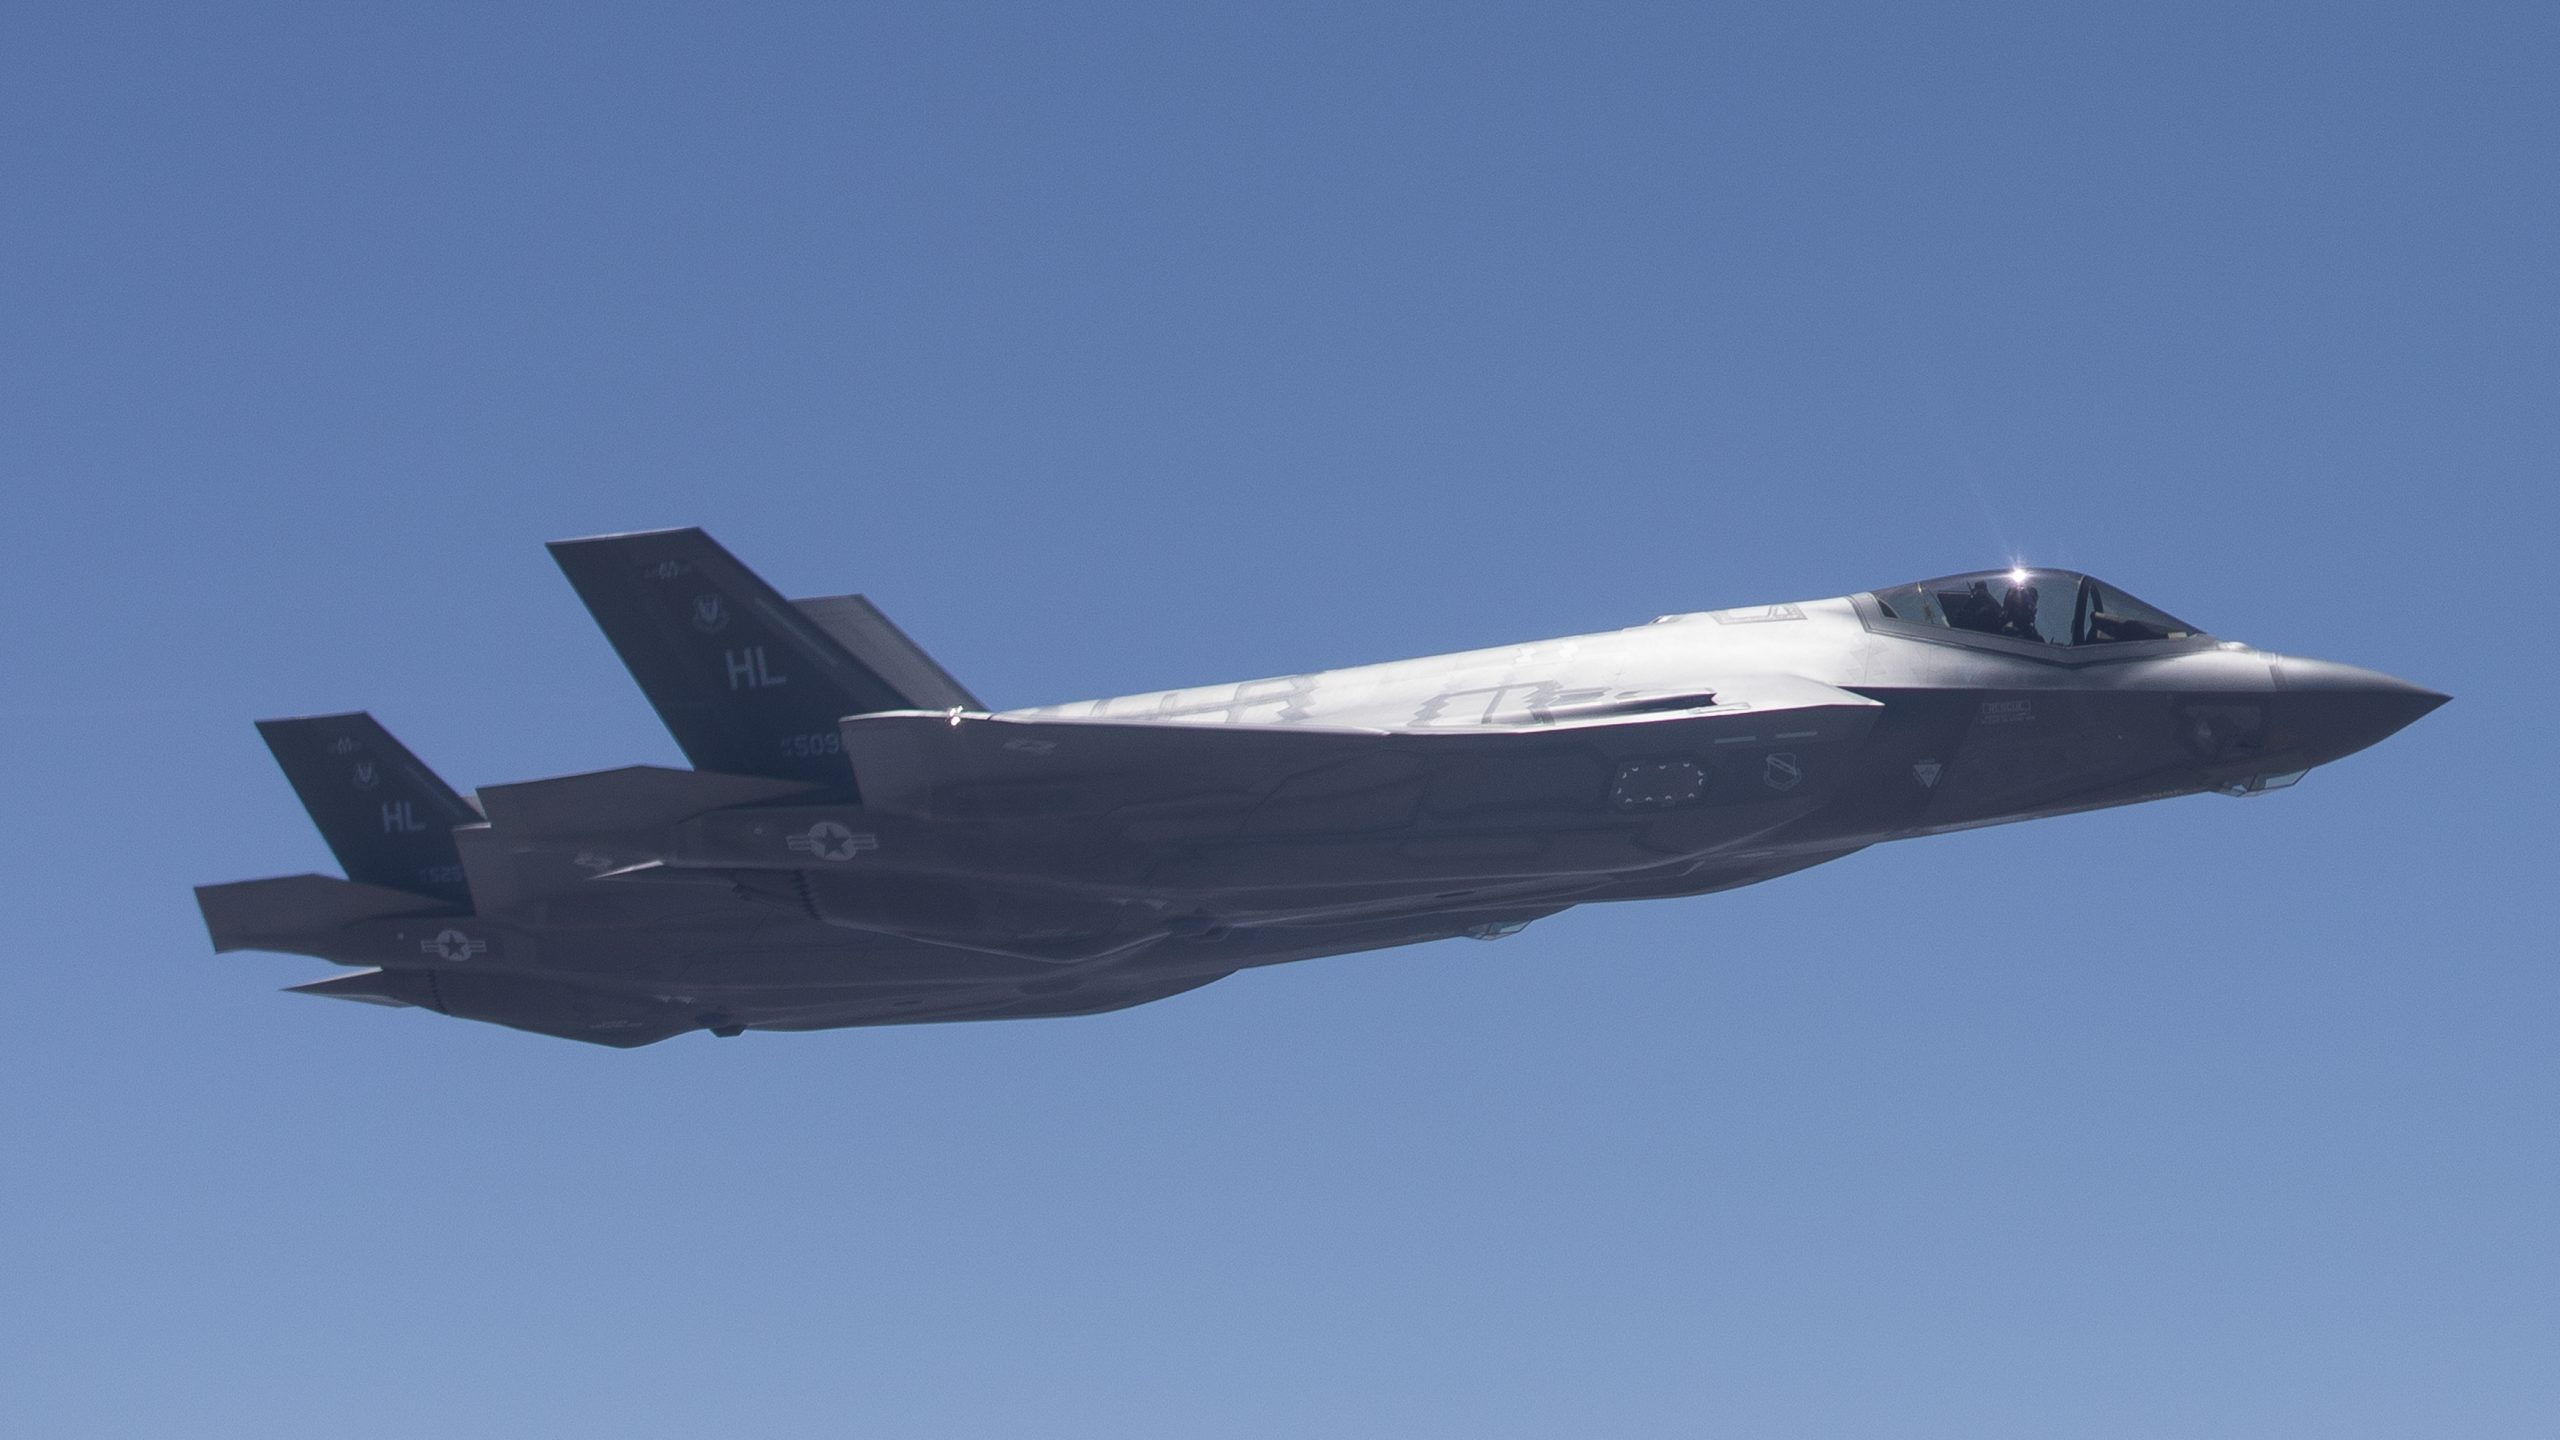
749, 683
387, 817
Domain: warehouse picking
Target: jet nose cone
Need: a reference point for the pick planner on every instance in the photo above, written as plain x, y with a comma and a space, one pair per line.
2337, 709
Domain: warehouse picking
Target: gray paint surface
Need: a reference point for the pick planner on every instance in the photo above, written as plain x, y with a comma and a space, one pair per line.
862, 844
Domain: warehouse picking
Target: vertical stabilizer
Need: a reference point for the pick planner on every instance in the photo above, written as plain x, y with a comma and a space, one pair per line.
746, 681
872, 638
387, 817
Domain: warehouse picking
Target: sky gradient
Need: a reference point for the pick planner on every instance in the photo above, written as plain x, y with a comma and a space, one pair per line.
1119, 347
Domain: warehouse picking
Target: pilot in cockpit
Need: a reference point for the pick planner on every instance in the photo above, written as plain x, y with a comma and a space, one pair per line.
2012, 614
2096, 614
2018, 612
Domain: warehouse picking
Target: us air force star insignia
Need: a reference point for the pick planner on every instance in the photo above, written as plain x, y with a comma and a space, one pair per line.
452, 945
1781, 772
830, 841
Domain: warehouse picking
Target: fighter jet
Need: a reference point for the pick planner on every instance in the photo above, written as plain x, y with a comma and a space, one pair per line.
860, 841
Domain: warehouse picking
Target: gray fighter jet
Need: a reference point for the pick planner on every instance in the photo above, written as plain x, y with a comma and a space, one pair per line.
862, 843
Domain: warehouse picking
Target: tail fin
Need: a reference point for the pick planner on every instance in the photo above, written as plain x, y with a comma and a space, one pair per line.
747, 682
884, 649
387, 817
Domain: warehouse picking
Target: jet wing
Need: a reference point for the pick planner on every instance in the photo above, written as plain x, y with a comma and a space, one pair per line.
629, 1021
1003, 1003
545, 1007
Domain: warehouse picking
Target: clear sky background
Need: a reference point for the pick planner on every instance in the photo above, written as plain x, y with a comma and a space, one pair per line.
1115, 347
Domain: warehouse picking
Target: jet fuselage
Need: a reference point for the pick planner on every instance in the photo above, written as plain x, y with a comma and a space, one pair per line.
912, 863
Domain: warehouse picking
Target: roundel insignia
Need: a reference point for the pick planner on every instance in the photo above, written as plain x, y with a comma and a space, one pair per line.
452, 944
829, 840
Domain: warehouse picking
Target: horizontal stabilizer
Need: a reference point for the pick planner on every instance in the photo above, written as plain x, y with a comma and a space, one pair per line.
274, 914
387, 817
608, 802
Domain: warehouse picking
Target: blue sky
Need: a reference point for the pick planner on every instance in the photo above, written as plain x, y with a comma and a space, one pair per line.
1119, 347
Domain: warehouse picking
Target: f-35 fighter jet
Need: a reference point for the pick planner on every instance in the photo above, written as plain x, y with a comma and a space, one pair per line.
862, 843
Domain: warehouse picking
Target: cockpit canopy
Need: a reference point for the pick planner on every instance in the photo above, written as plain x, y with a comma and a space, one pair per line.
2048, 607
